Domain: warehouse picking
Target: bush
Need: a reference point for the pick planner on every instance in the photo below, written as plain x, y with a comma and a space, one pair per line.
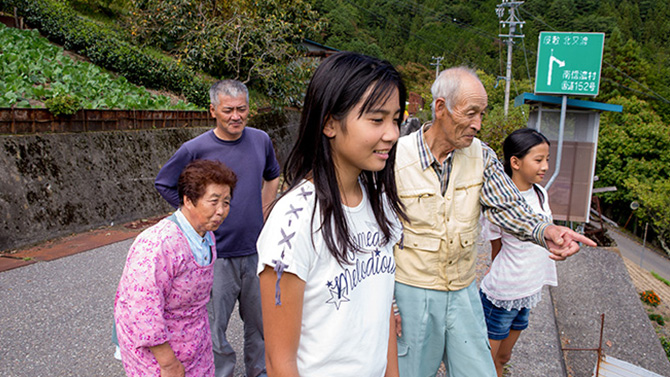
657, 318
650, 297
63, 104
258, 45
665, 342
61, 25
109, 8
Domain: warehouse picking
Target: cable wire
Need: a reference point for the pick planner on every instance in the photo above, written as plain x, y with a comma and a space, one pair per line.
411, 33
523, 41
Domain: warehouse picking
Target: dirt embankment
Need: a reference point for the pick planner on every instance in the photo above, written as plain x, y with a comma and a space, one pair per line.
643, 280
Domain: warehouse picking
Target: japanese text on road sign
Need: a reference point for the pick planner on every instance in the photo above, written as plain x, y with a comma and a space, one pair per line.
569, 63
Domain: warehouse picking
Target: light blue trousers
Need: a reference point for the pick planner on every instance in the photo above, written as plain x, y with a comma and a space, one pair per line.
443, 326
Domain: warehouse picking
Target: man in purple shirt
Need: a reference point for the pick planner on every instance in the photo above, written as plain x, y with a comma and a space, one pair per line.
249, 153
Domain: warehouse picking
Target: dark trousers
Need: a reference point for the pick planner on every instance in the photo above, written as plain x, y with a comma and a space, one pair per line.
235, 280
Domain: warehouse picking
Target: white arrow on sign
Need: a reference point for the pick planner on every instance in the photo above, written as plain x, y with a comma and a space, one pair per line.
553, 60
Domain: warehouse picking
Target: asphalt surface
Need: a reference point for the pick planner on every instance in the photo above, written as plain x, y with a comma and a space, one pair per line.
646, 258
56, 317
593, 283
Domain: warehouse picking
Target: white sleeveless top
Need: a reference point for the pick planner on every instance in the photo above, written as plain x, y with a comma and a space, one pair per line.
521, 268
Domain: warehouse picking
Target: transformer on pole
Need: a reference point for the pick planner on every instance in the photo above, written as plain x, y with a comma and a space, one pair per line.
438, 60
512, 21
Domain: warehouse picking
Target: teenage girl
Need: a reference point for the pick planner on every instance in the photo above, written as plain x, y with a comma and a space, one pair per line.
519, 269
326, 261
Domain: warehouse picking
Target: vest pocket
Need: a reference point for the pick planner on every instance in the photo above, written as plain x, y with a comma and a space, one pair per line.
418, 263
468, 258
466, 201
421, 242
421, 207
468, 238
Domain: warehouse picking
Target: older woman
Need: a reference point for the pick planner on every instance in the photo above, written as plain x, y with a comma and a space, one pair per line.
160, 312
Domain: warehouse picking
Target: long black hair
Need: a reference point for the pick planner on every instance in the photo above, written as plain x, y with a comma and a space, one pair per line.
338, 85
518, 144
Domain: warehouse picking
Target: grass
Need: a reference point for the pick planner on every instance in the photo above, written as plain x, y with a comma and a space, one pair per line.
657, 276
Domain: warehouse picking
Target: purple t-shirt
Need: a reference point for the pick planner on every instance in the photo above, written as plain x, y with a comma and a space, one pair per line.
253, 160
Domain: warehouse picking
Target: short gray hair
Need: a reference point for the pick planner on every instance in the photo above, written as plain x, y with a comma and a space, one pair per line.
448, 85
230, 88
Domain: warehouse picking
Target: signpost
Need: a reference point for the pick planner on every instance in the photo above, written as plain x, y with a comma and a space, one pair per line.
569, 63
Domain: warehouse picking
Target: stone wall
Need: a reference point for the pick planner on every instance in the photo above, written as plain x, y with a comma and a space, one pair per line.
56, 184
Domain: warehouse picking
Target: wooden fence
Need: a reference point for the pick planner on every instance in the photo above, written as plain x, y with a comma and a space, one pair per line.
18, 121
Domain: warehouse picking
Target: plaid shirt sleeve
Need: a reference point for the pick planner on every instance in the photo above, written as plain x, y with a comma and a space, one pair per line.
503, 204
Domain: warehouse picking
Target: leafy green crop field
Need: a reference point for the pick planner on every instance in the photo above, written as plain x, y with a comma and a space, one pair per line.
33, 71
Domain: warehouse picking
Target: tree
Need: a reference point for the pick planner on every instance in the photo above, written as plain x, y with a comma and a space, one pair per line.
632, 148
562, 14
344, 31
624, 68
245, 40
654, 199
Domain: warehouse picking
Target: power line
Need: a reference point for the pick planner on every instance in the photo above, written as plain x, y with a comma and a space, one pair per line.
634, 90
437, 65
500, 50
477, 31
443, 16
657, 96
523, 41
538, 19
512, 22
481, 32
411, 33
450, 18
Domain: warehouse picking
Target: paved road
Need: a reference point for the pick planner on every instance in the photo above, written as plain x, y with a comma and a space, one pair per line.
56, 317
632, 249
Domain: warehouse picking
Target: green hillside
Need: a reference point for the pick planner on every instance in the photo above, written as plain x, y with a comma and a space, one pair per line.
633, 152
637, 60
35, 72
180, 46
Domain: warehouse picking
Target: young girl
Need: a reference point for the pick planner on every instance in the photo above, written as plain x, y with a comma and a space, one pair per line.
519, 269
326, 261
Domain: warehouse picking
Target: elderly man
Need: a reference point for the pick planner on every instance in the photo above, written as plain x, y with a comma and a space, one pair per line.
249, 153
445, 177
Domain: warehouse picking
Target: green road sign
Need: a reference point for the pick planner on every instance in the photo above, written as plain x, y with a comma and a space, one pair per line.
569, 63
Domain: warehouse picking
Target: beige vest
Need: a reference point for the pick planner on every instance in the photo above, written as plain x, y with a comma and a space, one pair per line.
439, 240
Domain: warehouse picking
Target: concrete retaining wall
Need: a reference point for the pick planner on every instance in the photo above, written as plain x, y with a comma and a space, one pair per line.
56, 184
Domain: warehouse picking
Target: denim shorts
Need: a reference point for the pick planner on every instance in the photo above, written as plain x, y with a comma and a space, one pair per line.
500, 321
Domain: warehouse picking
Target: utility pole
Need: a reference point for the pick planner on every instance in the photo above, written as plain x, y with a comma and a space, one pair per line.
437, 65
512, 22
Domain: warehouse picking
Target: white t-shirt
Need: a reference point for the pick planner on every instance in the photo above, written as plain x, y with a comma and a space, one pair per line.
521, 268
346, 309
